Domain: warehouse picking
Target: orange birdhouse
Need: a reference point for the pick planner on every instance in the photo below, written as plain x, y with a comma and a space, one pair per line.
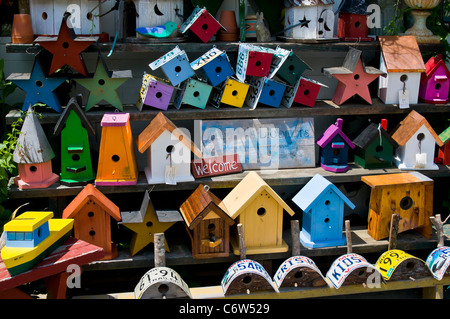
92, 212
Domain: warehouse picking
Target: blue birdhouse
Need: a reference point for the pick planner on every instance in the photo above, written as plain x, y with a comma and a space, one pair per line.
193, 92
175, 65
272, 93
214, 66
322, 204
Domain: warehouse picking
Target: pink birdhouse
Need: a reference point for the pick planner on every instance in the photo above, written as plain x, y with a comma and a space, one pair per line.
435, 81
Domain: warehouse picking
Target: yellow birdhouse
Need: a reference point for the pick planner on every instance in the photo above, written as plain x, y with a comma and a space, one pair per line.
234, 93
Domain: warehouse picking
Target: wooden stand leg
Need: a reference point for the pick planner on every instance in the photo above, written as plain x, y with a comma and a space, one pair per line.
436, 292
56, 286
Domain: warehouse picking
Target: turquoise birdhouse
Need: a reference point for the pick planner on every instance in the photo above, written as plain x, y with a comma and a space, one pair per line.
160, 31
193, 92
175, 65
322, 204
214, 66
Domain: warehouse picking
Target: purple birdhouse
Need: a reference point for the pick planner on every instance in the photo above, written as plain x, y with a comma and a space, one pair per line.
435, 81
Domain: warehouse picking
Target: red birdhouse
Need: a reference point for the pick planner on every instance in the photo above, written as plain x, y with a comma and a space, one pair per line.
259, 63
307, 92
202, 24
353, 27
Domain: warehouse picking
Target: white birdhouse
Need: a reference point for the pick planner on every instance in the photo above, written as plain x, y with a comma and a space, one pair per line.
154, 13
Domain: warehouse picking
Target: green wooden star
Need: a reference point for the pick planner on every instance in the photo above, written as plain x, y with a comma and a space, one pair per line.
103, 86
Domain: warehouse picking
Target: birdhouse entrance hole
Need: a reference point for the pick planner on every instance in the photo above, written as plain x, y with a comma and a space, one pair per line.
178, 69
170, 149
65, 45
357, 24
218, 69
306, 92
298, 274
101, 82
406, 203
163, 288
379, 148
437, 86
39, 83
75, 157
410, 265
247, 279
234, 93
261, 211
356, 76
115, 158
258, 63
33, 169
272, 92
404, 78
90, 214
420, 136
196, 94
44, 15
205, 26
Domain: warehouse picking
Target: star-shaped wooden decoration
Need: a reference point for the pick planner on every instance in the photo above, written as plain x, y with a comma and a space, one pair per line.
103, 85
38, 87
66, 48
354, 78
304, 22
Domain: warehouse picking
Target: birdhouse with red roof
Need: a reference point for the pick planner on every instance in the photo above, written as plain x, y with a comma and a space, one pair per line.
202, 24
435, 81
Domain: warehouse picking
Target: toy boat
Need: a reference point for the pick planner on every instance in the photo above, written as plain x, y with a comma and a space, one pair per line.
30, 237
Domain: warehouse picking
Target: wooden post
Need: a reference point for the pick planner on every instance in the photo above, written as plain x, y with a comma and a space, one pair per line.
242, 248
160, 250
437, 222
295, 233
348, 234
393, 231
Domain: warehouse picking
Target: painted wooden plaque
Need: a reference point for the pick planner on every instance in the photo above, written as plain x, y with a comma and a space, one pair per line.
299, 271
396, 264
214, 166
438, 261
161, 282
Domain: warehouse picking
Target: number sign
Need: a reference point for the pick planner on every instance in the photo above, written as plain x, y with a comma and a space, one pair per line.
388, 261
438, 261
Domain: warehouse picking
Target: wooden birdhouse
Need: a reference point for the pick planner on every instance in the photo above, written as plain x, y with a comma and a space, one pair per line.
307, 91
255, 205
322, 204
194, 93
292, 69
233, 93
258, 63
159, 13
435, 81
395, 264
169, 152
438, 262
33, 155
92, 212
353, 27
334, 146
175, 65
214, 66
408, 194
305, 19
416, 141
207, 223
155, 92
444, 150
202, 24
298, 271
374, 146
74, 127
117, 161
272, 93
161, 283
402, 61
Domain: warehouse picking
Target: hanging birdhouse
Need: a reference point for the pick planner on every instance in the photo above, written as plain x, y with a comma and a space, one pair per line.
161, 283
409, 195
402, 60
292, 69
169, 152
322, 204
307, 91
374, 146
444, 150
334, 146
214, 66
353, 78
435, 81
396, 264
233, 93
207, 223
202, 24
117, 161
299, 271
92, 212
33, 155
175, 65
74, 127
194, 93
438, 261
256, 206
155, 92
416, 141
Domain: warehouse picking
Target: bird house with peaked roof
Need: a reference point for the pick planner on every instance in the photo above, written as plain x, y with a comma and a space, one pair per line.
33, 155
444, 151
117, 161
402, 61
213, 66
435, 81
334, 146
322, 204
175, 65
202, 24
92, 212
169, 152
207, 223
74, 127
374, 146
255, 205
416, 141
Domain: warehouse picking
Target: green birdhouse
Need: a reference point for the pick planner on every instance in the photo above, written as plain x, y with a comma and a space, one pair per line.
74, 127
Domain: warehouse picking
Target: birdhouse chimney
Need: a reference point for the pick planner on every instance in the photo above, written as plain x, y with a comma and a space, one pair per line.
384, 124
339, 123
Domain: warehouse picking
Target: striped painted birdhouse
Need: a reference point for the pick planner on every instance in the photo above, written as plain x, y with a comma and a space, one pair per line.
213, 66
175, 65
202, 24
155, 92
194, 93
435, 81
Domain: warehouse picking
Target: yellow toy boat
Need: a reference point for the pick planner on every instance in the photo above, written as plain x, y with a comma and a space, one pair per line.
30, 237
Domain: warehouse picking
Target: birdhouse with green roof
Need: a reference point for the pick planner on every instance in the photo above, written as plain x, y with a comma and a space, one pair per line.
444, 151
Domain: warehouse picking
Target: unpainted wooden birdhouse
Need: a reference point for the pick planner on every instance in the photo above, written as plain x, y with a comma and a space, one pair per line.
395, 264
193, 92
74, 128
292, 69
322, 204
213, 66
298, 271
117, 161
169, 152
207, 224
444, 151
334, 147
305, 19
33, 155
161, 283
175, 65
409, 195
402, 60
255, 205
416, 141
202, 24
435, 81
92, 212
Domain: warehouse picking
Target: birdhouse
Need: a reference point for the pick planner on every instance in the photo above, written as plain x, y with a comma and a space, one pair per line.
194, 93
292, 69
74, 127
402, 61
416, 141
255, 205
158, 13
33, 155
169, 152
334, 146
233, 93
353, 78
395, 264
435, 81
408, 194
155, 92
322, 204
92, 212
202, 24
353, 27
258, 63
307, 91
207, 223
306, 19
175, 65
438, 261
272, 93
214, 66
374, 146
161, 283
253, 60
298, 271
117, 161
444, 150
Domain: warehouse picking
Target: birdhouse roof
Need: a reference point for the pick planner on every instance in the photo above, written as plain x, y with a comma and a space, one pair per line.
409, 126
432, 65
156, 127
331, 132
246, 191
313, 190
445, 135
370, 133
401, 53
200, 204
75, 106
115, 119
90, 192
382, 180
32, 145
